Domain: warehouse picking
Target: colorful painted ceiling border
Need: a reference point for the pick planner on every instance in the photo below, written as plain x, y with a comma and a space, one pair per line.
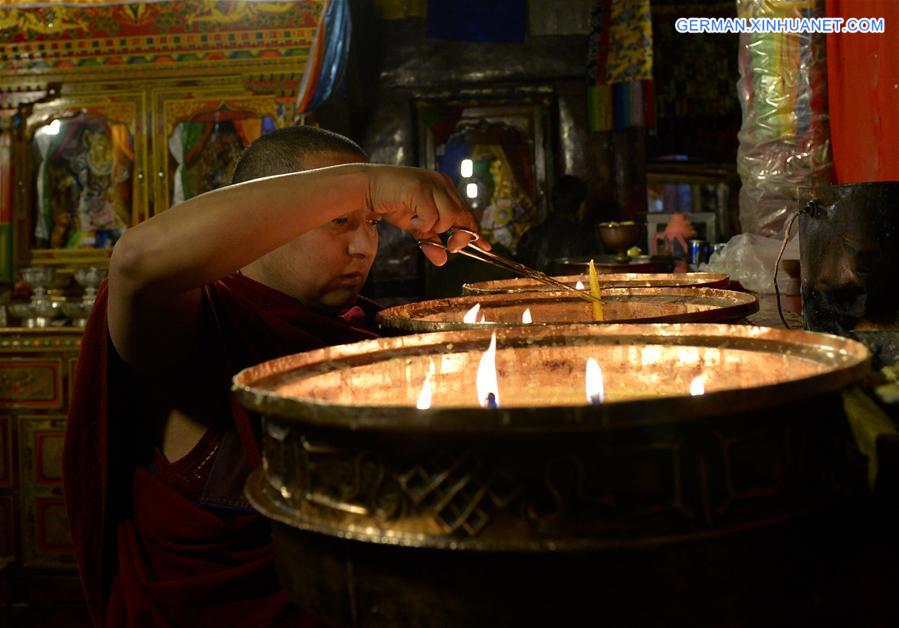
31, 4
207, 35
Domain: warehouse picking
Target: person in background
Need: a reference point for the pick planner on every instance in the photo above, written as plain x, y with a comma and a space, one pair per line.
561, 234
157, 450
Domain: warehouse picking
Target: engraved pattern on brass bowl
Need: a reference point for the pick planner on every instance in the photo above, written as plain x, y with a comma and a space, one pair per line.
347, 454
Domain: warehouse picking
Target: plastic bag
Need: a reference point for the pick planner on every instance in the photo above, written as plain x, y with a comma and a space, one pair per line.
750, 258
784, 137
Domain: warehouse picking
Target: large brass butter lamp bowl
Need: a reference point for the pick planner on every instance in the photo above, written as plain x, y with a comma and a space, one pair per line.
555, 475
620, 305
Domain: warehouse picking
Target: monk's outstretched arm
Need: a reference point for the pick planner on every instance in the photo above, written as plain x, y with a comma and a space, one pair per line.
158, 267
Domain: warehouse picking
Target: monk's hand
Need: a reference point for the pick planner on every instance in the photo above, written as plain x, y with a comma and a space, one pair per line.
423, 203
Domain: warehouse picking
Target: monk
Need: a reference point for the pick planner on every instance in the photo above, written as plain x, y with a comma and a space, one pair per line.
157, 450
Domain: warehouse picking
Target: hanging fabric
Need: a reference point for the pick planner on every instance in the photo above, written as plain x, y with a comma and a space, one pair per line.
863, 94
328, 57
619, 66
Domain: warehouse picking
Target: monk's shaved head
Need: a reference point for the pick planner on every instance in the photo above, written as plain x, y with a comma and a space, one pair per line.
285, 150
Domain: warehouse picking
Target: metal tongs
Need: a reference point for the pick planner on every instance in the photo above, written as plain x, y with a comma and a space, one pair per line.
487, 257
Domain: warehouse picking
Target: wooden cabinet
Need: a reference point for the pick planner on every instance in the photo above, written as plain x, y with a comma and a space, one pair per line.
36, 368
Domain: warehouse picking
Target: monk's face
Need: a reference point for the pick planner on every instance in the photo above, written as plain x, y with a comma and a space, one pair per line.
325, 268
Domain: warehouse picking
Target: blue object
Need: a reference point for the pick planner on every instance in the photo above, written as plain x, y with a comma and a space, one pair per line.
338, 31
477, 20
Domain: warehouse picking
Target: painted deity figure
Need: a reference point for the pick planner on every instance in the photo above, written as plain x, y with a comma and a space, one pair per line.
510, 212
100, 208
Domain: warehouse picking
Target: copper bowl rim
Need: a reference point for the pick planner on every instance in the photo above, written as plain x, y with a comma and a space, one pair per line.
737, 305
250, 384
619, 225
617, 280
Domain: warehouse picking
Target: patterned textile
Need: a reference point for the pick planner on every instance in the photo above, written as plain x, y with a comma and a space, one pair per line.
327, 62
619, 66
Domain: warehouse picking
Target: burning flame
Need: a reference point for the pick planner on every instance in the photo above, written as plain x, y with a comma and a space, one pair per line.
579, 285
697, 386
424, 397
526, 317
595, 384
486, 379
471, 316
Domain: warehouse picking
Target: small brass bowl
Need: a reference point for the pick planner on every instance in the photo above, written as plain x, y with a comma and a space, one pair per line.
619, 237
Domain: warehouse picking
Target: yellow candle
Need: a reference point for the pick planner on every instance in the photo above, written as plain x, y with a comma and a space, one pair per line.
594, 291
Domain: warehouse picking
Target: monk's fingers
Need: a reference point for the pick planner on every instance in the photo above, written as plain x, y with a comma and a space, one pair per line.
452, 216
460, 239
421, 224
430, 206
482, 243
465, 219
435, 254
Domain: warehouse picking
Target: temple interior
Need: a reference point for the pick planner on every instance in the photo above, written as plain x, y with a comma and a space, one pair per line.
658, 386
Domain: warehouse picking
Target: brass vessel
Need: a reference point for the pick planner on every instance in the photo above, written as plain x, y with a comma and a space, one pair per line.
620, 305
656, 505
609, 280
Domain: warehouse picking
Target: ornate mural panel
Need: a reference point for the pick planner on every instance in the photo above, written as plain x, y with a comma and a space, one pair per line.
84, 161
495, 146
205, 131
196, 36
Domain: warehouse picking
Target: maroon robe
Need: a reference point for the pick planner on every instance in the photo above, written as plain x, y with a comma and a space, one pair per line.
148, 555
